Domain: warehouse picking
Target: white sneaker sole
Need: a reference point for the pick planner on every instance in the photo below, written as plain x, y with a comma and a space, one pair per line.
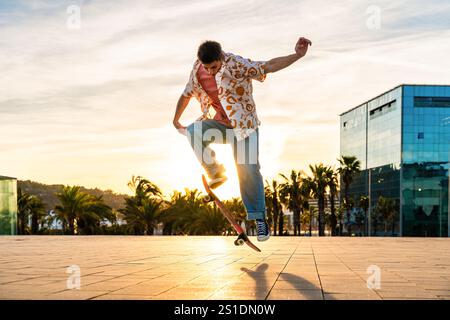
214, 183
263, 238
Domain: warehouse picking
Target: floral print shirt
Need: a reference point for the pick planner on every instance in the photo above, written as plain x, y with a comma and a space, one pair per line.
234, 81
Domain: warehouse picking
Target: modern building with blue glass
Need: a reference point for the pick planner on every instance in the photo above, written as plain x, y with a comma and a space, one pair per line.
402, 140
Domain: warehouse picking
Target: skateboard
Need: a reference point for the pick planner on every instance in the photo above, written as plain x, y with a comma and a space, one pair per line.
242, 236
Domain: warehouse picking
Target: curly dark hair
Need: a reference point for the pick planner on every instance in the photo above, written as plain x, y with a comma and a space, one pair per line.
209, 51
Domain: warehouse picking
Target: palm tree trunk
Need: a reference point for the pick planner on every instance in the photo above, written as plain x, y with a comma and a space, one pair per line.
19, 225
23, 226
347, 209
310, 224
281, 223
275, 214
296, 221
275, 220
64, 227
321, 215
72, 226
34, 224
333, 216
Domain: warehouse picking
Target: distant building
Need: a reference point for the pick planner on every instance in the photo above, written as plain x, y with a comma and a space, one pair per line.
402, 139
314, 206
54, 223
8, 206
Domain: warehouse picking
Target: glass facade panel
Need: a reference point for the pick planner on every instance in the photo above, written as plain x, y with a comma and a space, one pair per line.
426, 150
384, 131
8, 206
353, 143
383, 161
353, 133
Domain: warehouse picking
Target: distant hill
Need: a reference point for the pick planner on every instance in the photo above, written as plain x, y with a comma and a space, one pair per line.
47, 194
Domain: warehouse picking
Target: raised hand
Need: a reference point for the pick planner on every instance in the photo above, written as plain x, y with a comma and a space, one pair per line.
301, 46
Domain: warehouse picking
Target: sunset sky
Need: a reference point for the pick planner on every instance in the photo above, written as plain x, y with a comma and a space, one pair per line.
94, 105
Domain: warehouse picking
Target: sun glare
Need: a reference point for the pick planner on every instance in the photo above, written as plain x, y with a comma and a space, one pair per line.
186, 171
189, 171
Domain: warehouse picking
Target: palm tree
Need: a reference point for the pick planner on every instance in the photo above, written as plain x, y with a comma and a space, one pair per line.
142, 218
283, 201
81, 211
375, 217
332, 182
209, 221
349, 166
72, 205
340, 216
273, 202
37, 210
364, 205
312, 213
237, 208
95, 212
290, 193
29, 206
143, 188
319, 185
23, 211
131, 213
269, 205
186, 213
173, 212
359, 220
305, 195
143, 210
181, 210
386, 209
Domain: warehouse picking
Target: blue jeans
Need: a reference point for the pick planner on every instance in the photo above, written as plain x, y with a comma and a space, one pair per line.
246, 152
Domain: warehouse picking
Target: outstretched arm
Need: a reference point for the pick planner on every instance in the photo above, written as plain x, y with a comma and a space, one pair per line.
279, 63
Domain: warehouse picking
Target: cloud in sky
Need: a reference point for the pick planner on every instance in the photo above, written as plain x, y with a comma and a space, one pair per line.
93, 106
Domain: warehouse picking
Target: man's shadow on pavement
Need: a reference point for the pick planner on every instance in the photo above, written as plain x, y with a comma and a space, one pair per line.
259, 275
298, 283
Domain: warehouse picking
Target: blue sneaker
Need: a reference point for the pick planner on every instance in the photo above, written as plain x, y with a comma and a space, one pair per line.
263, 231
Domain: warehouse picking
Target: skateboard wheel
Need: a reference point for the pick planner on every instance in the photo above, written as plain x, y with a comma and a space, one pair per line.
238, 242
206, 199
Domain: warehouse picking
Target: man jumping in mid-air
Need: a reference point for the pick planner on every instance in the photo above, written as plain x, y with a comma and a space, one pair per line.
223, 81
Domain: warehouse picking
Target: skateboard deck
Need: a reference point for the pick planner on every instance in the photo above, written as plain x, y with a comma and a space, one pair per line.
242, 236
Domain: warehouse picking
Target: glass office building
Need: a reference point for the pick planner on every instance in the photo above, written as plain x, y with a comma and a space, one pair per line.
402, 140
8, 206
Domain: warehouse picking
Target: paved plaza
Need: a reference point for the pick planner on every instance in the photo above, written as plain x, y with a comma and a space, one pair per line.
177, 267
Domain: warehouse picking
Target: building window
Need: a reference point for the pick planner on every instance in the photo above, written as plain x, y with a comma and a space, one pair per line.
382, 109
420, 135
432, 102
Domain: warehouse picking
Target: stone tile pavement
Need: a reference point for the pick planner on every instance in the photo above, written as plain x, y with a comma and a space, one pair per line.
128, 267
